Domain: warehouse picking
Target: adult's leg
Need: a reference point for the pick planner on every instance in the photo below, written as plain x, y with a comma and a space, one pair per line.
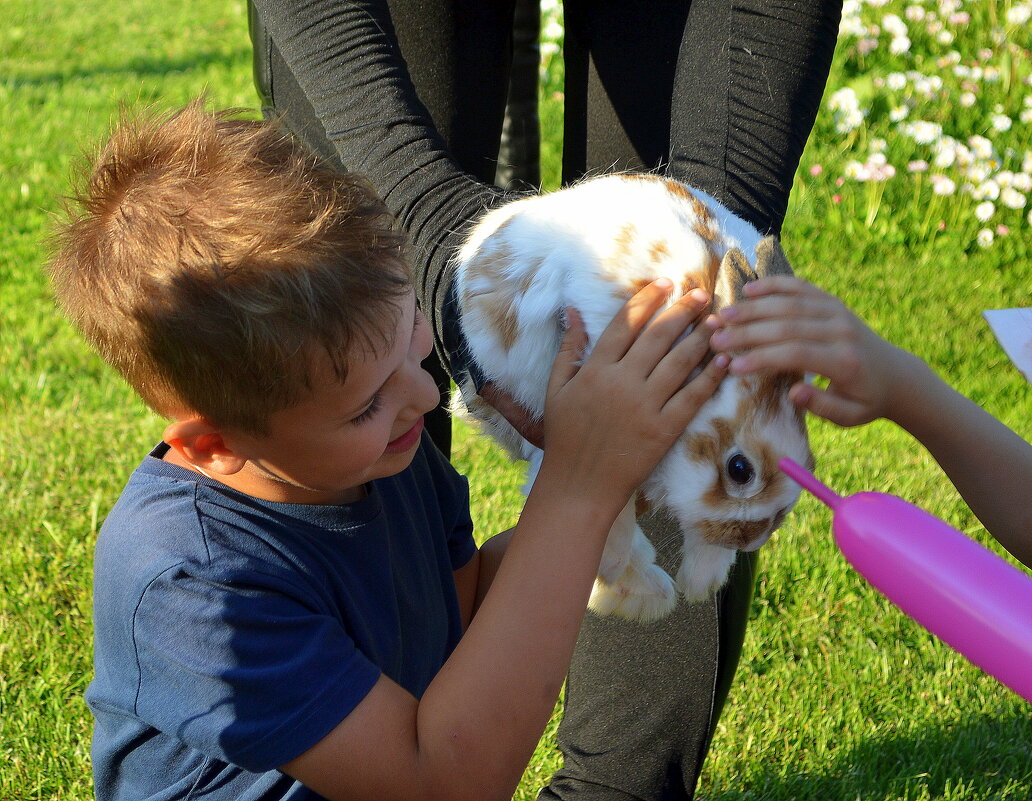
643, 701
746, 99
410, 94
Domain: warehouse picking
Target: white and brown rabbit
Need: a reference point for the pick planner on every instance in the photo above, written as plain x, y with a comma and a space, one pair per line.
592, 246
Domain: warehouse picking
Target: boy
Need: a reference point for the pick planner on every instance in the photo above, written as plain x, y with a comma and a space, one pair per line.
288, 600
788, 324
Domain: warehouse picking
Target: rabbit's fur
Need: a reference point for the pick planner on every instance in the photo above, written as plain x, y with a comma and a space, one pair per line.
591, 247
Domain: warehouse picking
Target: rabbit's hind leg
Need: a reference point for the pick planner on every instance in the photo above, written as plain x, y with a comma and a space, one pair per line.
630, 584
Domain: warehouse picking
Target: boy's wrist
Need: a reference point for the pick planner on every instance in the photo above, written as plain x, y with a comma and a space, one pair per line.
595, 502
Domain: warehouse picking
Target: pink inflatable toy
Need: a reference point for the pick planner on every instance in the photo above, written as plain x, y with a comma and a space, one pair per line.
959, 590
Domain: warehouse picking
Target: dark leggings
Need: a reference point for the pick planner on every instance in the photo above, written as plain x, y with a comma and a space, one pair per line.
720, 95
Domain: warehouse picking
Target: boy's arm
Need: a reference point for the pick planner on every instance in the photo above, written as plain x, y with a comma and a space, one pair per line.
473, 580
473, 731
788, 324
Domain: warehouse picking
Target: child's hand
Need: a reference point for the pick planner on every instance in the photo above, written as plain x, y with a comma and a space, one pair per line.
610, 421
789, 325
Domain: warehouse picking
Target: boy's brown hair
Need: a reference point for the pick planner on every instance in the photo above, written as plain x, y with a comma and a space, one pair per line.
206, 255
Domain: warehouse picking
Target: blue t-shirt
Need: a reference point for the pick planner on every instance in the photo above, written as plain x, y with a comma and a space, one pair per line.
232, 634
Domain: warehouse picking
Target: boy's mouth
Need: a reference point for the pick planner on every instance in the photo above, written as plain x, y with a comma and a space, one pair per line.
407, 440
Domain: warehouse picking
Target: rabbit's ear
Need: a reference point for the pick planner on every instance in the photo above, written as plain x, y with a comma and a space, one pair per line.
733, 274
770, 258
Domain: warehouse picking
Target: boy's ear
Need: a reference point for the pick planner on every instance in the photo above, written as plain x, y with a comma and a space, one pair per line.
201, 444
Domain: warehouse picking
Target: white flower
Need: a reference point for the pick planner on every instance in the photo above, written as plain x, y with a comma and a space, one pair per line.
984, 238
856, 171
1022, 181
553, 31
915, 13
945, 152
843, 100
1001, 122
964, 155
899, 113
942, 185
894, 25
850, 121
981, 146
978, 172
878, 145
917, 166
943, 37
897, 81
1019, 14
851, 26
967, 99
983, 211
923, 132
927, 85
1005, 178
1012, 198
987, 190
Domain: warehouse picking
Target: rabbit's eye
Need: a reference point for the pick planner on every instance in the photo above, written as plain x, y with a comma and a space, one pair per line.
740, 469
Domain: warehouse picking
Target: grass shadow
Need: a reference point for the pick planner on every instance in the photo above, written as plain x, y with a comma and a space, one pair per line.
983, 758
229, 58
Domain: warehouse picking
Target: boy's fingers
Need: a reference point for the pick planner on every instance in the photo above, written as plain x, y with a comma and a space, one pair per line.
690, 398
632, 317
567, 360
679, 361
655, 343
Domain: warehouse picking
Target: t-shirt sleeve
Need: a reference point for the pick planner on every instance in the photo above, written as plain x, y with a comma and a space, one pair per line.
241, 667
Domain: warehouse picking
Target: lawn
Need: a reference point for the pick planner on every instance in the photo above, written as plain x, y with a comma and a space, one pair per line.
910, 203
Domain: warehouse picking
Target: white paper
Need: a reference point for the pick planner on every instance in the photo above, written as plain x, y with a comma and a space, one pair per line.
1013, 329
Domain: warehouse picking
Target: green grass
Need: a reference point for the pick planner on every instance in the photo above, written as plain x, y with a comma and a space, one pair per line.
839, 696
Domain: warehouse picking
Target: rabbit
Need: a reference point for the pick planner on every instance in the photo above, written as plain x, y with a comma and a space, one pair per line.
591, 246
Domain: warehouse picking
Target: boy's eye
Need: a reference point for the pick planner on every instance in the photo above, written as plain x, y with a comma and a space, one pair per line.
370, 410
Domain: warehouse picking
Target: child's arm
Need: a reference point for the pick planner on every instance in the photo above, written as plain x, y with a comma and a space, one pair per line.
607, 424
787, 324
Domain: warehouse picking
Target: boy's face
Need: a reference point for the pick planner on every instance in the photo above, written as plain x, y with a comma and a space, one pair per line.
323, 450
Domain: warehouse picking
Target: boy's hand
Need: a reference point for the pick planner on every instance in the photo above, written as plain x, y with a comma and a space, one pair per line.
786, 324
609, 421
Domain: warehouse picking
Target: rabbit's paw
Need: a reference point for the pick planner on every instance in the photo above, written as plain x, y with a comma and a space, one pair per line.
703, 571
642, 592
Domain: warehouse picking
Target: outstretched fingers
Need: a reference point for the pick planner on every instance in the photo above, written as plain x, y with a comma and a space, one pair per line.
623, 330
655, 344
687, 401
571, 350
